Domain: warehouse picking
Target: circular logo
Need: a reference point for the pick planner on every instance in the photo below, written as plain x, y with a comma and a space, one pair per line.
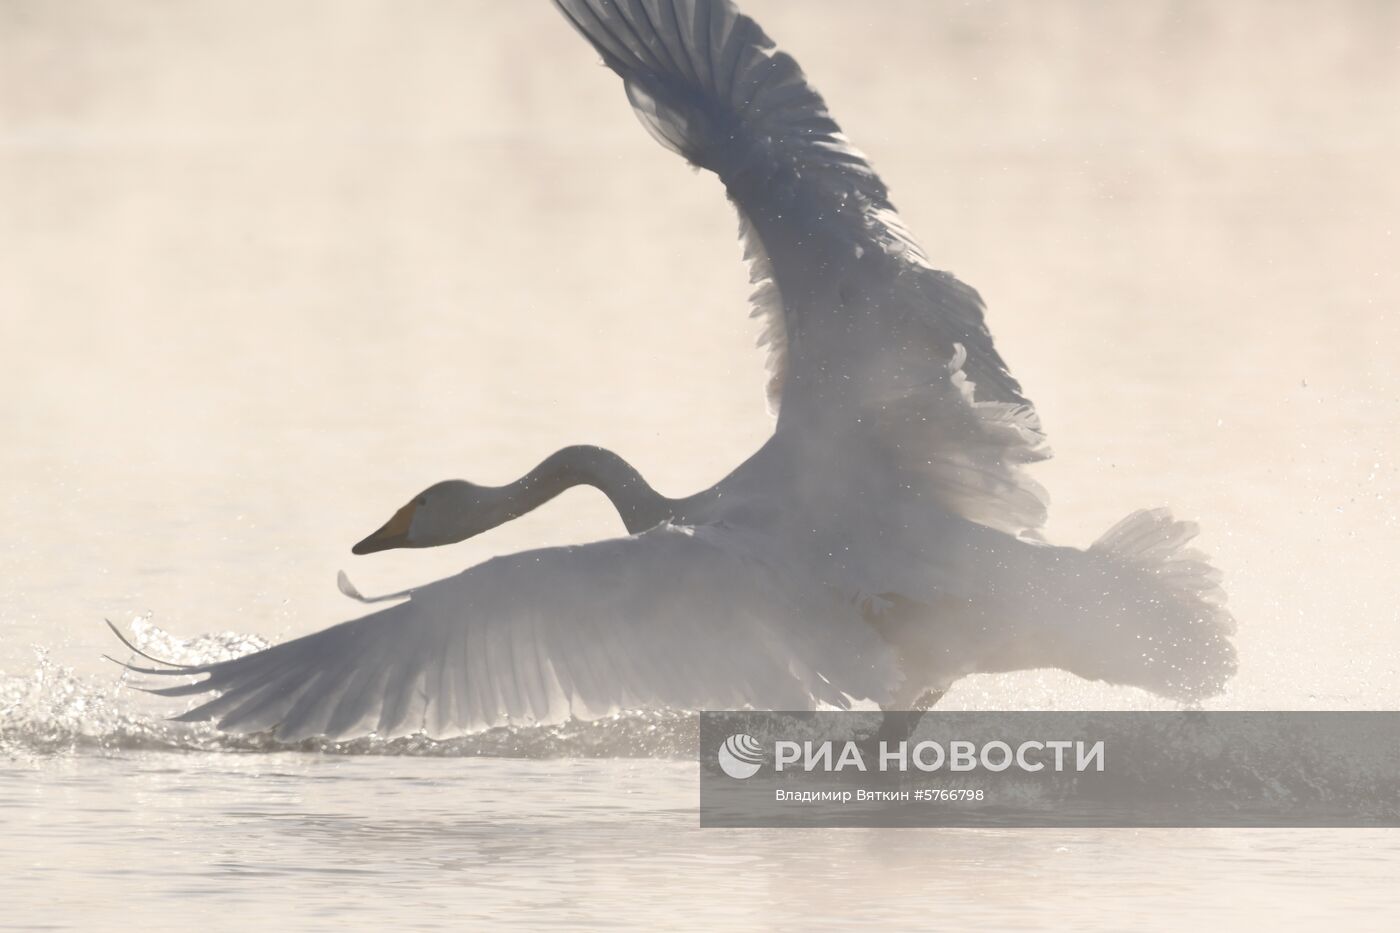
740, 756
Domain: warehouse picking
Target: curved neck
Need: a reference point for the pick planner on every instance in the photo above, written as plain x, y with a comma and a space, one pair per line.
639, 506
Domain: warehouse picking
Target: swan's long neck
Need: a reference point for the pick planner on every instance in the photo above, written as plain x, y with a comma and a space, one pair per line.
636, 502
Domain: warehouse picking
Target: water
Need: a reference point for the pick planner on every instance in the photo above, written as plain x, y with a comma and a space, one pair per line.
269, 270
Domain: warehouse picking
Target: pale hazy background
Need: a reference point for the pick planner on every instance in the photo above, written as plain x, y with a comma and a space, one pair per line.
268, 268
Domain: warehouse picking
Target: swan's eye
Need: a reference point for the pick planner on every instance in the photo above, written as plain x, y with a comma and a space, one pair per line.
422, 501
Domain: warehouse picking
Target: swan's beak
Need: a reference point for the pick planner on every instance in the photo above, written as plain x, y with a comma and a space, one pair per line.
393, 534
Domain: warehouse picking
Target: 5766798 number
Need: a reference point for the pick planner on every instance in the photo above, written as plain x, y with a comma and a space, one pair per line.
948, 794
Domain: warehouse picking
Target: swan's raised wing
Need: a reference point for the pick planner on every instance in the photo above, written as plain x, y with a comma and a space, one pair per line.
859, 325
710, 85
675, 617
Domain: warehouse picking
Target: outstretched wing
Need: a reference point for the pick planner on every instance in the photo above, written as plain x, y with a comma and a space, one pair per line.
675, 617
816, 219
861, 329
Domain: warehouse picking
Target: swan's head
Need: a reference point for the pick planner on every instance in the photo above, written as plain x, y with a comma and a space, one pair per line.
444, 513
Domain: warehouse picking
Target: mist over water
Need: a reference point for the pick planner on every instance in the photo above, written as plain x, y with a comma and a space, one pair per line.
270, 269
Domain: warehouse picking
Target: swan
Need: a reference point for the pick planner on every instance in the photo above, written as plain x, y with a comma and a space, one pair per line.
883, 542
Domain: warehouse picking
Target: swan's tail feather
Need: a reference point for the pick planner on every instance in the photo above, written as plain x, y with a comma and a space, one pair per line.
1152, 539
1151, 610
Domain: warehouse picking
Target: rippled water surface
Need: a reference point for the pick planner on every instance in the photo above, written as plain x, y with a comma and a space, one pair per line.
271, 268
230, 841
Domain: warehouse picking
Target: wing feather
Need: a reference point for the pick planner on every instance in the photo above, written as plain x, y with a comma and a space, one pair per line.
712, 86
852, 313
675, 617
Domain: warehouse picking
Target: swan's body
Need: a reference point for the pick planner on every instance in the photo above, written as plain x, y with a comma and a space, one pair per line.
883, 542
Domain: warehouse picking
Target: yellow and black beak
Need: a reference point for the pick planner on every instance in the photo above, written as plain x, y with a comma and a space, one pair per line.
393, 534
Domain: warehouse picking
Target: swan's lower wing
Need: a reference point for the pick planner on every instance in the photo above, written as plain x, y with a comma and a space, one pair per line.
673, 618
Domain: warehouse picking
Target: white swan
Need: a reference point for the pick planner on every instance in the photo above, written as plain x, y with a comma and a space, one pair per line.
882, 543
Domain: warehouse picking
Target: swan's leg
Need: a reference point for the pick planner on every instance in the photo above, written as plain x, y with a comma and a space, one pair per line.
897, 725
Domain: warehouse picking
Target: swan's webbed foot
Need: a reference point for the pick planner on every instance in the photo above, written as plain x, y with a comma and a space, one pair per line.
897, 725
